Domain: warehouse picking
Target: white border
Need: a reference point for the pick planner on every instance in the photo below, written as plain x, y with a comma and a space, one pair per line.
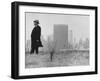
37, 71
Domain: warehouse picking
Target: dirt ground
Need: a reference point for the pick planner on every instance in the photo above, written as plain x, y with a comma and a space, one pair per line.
63, 59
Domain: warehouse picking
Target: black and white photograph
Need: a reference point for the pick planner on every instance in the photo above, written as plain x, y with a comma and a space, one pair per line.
55, 40
50, 40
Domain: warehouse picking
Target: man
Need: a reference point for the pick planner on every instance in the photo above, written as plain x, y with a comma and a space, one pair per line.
35, 37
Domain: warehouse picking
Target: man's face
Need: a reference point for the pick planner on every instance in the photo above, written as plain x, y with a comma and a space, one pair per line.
35, 24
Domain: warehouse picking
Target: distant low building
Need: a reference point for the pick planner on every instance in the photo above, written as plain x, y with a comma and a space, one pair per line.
28, 46
45, 47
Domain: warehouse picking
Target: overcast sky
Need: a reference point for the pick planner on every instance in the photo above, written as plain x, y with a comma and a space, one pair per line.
79, 24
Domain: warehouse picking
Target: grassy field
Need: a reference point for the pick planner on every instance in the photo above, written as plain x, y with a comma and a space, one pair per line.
61, 59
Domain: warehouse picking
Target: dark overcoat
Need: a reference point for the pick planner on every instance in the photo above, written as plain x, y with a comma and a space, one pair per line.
35, 37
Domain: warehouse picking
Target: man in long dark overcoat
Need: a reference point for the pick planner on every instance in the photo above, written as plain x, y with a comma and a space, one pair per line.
35, 37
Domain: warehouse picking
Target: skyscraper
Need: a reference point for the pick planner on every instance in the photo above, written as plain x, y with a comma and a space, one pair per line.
61, 36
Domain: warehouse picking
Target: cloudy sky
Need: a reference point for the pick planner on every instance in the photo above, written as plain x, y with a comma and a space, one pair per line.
79, 24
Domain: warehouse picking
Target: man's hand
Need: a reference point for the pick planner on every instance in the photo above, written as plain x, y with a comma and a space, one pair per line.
37, 40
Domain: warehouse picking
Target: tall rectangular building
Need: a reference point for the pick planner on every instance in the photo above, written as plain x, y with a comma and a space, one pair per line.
61, 36
70, 36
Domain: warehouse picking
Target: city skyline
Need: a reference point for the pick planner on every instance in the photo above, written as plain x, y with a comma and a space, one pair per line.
80, 27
